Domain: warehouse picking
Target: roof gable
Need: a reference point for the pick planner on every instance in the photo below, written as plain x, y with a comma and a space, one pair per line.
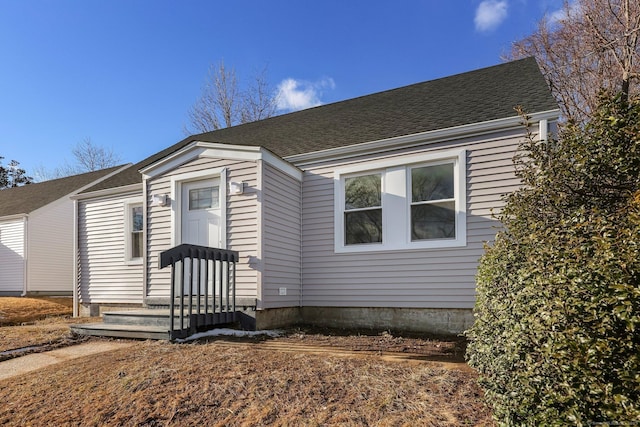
28, 198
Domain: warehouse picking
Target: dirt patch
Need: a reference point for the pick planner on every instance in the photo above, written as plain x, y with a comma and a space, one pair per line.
19, 310
240, 383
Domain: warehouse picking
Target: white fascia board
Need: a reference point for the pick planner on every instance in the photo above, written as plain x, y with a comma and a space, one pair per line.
113, 191
13, 217
422, 138
198, 149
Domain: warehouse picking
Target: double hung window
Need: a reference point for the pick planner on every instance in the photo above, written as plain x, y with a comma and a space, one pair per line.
134, 238
409, 202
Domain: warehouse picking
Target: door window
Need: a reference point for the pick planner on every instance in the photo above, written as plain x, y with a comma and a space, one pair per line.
203, 198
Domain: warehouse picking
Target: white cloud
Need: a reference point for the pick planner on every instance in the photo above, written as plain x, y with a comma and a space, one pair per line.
294, 95
490, 14
563, 13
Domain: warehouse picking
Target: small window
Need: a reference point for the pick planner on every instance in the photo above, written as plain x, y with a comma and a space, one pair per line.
136, 241
203, 198
133, 230
363, 209
433, 204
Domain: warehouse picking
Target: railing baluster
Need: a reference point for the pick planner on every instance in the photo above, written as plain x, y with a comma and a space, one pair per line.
223, 275
199, 284
182, 294
206, 287
172, 302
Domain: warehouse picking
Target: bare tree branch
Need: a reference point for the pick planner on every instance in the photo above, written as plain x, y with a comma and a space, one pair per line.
223, 103
594, 47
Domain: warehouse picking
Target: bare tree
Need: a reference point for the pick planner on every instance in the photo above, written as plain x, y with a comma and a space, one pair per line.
88, 157
223, 103
592, 45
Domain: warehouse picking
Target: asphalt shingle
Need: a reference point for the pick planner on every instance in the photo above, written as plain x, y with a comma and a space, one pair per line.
472, 97
27, 198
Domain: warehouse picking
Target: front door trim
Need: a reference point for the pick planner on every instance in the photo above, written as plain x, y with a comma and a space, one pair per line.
176, 201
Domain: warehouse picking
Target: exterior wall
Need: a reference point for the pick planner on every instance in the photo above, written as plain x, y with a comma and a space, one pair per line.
12, 257
242, 226
282, 239
104, 276
424, 278
50, 249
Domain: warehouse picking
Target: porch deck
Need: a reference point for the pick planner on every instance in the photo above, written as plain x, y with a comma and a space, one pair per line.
155, 324
202, 297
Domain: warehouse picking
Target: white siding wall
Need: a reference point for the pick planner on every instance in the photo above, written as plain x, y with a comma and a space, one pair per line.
104, 275
281, 238
50, 249
12, 256
242, 226
433, 278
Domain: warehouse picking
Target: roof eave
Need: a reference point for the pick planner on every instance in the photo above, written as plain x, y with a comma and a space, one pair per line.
422, 138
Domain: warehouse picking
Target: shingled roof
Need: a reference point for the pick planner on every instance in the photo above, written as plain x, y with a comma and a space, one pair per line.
472, 97
28, 198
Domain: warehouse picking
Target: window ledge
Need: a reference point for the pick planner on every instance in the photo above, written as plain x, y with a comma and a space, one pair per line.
136, 261
414, 246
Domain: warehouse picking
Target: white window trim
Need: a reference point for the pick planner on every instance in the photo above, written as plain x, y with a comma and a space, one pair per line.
396, 230
128, 227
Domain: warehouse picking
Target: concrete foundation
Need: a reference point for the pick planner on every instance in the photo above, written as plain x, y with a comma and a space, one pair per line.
278, 317
450, 321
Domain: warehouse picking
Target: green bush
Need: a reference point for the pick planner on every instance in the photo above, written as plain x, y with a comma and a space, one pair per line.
556, 339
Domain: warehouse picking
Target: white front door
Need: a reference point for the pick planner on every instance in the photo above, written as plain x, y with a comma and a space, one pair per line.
200, 212
201, 225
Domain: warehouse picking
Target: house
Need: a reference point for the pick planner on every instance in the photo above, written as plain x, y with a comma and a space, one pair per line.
37, 233
370, 212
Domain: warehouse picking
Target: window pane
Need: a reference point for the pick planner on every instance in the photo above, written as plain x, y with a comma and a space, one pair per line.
136, 245
136, 218
432, 182
363, 226
362, 192
203, 198
433, 221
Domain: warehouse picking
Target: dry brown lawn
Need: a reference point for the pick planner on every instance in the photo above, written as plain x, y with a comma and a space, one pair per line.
306, 378
17, 310
35, 322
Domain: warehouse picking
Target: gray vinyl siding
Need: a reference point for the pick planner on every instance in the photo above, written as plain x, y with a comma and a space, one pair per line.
12, 256
50, 248
423, 278
104, 276
242, 225
282, 233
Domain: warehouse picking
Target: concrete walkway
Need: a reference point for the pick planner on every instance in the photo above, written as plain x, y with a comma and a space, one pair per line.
24, 364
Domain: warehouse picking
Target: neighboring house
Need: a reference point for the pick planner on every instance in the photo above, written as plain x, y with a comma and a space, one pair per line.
37, 232
371, 212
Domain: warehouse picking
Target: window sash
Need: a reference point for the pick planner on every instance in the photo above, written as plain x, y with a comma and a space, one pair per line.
400, 213
134, 239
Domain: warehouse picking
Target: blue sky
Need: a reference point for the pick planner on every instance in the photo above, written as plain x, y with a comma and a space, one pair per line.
125, 73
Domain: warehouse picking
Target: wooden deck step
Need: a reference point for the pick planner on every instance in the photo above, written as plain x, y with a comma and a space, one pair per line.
121, 331
152, 324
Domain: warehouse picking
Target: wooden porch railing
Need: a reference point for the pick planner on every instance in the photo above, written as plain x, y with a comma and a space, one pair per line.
203, 288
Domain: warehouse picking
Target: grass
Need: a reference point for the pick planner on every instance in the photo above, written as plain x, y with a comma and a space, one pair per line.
26, 322
17, 310
306, 378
